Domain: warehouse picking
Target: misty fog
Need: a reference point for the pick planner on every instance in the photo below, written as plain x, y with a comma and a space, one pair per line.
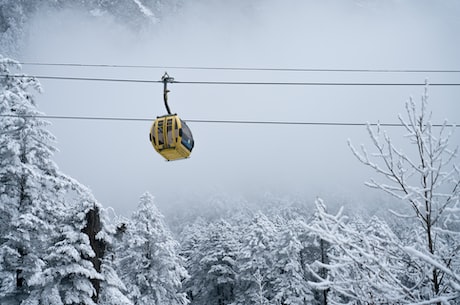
116, 160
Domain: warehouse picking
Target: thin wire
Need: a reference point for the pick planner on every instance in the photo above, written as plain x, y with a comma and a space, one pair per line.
311, 83
62, 117
244, 68
84, 78
229, 82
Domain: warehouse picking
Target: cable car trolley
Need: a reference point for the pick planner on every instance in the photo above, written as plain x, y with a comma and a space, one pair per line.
169, 135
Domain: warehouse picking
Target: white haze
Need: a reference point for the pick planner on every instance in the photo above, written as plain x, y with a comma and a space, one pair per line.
118, 163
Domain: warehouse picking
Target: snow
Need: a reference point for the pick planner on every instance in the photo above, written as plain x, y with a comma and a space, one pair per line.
47, 257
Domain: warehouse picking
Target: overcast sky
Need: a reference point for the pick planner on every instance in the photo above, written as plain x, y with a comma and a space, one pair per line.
116, 160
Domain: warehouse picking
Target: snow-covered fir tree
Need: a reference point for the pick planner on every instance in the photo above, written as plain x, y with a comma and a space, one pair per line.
113, 291
79, 267
51, 251
289, 285
148, 259
28, 188
193, 236
314, 249
69, 275
211, 266
136, 14
255, 262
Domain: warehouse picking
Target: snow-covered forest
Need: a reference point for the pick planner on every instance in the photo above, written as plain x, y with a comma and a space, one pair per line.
60, 245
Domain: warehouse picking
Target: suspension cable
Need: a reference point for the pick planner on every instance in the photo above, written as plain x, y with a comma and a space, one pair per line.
230, 82
257, 122
244, 68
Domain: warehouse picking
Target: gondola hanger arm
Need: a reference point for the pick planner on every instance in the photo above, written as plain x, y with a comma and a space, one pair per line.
166, 79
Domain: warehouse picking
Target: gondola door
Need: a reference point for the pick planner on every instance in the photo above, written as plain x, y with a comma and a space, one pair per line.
170, 137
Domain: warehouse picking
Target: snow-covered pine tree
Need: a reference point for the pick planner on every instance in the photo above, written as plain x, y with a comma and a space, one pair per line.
136, 14
79, 267
289, 285
212, 266
429, 183
69, 275
49, 251
148, 259
314, 248
255, 263
29, 185
192, 237
13, 16
112, 290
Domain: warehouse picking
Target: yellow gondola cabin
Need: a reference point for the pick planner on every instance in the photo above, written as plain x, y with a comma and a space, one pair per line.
171, 137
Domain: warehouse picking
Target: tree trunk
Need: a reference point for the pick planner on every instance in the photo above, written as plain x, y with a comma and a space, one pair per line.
93, 226
324, 260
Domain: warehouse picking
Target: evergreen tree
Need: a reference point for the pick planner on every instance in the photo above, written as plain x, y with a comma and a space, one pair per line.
70, 274
255, 262
30, 186
136, 14
13, 16
212, 266
193, 237
149, 260
79, 259
289, 285
112, 289
314, 249
50, 251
